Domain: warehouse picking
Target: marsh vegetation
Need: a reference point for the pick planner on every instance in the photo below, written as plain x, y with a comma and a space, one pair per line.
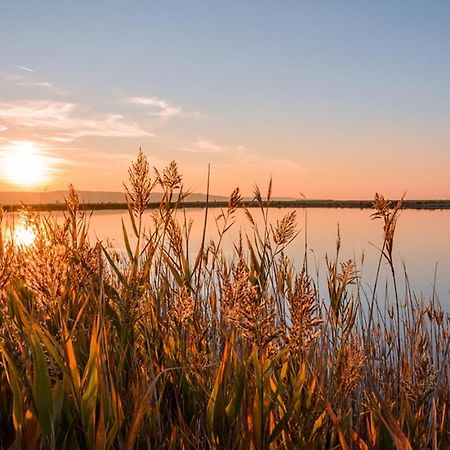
168, 346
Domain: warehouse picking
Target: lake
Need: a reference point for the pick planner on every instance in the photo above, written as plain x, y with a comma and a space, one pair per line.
422, 242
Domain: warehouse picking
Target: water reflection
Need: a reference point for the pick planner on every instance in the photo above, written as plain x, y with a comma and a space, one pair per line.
24, 233
20, 230
421, 242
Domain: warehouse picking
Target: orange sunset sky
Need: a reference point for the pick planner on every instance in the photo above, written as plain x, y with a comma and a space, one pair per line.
333, 100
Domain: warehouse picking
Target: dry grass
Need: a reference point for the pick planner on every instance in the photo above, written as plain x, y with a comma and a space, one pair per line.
156, 349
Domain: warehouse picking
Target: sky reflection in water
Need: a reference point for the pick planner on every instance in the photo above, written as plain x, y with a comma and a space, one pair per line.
422, 242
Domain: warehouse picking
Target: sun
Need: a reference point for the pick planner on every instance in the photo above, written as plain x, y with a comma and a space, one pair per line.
24, 164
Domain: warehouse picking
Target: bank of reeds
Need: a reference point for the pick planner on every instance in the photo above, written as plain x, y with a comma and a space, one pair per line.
169, 346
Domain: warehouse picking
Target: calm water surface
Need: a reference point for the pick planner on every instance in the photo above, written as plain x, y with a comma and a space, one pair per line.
422, 242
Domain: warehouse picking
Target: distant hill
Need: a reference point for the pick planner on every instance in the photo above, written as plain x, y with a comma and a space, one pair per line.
51, 197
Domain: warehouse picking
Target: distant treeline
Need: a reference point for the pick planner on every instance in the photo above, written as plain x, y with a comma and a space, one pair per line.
354, 204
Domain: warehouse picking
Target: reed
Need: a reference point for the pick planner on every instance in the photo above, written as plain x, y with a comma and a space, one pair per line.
155, 348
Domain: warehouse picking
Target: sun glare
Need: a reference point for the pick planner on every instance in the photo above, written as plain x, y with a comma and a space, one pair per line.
21, 232
24, 164
24, 235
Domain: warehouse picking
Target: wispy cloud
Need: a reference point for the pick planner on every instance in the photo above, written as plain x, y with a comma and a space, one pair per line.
160, 107
228, 156
39, 84
116, 160
10, 78
202, 146
27, 69
65, 121
28, 80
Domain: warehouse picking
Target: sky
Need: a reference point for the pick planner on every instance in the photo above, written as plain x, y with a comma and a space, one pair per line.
332, 99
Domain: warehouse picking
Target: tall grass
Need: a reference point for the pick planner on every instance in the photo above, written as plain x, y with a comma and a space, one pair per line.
166, 346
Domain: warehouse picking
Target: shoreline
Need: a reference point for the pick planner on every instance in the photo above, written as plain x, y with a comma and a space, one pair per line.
331, 204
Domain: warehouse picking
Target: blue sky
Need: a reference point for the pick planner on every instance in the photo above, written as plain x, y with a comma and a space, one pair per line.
333, 99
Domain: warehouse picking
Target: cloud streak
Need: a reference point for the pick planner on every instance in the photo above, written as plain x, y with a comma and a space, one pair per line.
25, 80
65, 121
27, 69
202, 146
163, 108
160, 107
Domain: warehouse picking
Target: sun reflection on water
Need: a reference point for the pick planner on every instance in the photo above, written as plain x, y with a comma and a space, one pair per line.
24, 234
20, 231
